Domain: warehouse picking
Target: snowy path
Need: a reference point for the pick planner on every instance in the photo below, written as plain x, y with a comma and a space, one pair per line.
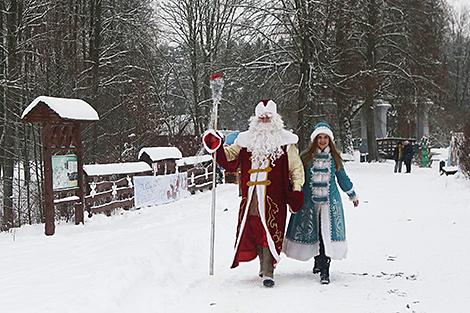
407, 253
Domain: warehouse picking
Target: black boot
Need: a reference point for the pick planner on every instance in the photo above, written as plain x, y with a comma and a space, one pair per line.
325, 271
268, 282
316, 266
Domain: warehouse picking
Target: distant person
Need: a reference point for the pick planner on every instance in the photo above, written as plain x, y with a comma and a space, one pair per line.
424, 148
442, 165
407, 155
318, 229
398, 156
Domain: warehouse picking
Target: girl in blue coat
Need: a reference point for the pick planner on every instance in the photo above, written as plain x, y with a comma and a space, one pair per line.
318, 229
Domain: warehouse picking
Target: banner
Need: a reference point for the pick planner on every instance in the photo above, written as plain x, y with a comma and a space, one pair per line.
64, 171
155, 190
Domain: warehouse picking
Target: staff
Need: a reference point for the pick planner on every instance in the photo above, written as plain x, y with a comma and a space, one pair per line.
217, 84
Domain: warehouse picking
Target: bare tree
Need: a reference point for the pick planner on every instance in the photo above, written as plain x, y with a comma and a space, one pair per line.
202, 30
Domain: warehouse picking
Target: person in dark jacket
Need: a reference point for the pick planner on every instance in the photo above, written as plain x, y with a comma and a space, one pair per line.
398, 156
407, 155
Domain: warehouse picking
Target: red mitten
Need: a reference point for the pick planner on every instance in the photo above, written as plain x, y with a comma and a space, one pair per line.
295, 199
211, 140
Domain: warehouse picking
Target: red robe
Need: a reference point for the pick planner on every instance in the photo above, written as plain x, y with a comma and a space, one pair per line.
272, 183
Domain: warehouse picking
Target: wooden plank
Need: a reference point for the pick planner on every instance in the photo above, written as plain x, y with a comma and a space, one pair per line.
107, 185
109, 207
109, 194
65, 192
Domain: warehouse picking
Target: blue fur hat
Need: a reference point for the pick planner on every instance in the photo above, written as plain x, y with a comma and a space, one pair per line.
322, 128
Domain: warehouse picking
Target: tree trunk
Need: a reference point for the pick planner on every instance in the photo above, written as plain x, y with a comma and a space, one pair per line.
27, 170
95, 46
2, 97
39, 173
10, 116
371, 80
370, 120
344, 121
302, 103
304, 12
344, 67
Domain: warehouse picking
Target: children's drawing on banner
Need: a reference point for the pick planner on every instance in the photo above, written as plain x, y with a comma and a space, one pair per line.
155, 190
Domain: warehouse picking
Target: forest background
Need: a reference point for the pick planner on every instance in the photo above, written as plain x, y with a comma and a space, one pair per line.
143, 65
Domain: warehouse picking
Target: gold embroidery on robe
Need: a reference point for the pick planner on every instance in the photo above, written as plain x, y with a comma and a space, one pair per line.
271, 210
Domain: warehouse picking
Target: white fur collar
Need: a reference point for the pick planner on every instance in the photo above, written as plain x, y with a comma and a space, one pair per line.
326, 150
288, 138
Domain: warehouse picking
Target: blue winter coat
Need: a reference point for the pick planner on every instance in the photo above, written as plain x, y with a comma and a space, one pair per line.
303, 226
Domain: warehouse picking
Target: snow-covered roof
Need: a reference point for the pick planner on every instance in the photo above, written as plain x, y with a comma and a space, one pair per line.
193, 160
161, 153
383, 104
73, 109
116, 168
347, 157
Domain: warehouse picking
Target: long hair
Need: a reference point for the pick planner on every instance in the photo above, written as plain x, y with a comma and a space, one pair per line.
308, 154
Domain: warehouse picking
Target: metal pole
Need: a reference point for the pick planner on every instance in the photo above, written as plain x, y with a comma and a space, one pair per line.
211, 266
214, 185
216, 83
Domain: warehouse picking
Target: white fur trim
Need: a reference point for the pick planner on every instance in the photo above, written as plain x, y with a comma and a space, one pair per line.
268, 109
288, 138
322, 130
299, 251
337, 250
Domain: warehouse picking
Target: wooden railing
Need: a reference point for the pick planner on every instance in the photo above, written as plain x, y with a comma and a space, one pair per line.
65, 202
110, 186
199, 179
199, 169
105, 193
109, 194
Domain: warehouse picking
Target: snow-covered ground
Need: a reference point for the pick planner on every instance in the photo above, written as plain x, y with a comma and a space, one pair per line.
408, 252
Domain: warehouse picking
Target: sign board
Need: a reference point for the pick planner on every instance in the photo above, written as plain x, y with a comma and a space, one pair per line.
155, 190
64, 171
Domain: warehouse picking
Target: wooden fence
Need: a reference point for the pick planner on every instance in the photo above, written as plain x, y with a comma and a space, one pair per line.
199, 169
109, 186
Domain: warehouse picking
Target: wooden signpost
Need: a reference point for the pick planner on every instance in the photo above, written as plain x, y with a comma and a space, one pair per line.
60, 120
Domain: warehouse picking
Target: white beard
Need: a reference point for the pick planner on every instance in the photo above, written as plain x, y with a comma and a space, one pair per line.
265, 139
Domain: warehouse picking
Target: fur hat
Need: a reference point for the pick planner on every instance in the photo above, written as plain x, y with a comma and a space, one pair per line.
266, 107
322, 128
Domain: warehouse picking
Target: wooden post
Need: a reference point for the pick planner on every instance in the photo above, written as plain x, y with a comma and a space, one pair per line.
47, 192
79, 207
